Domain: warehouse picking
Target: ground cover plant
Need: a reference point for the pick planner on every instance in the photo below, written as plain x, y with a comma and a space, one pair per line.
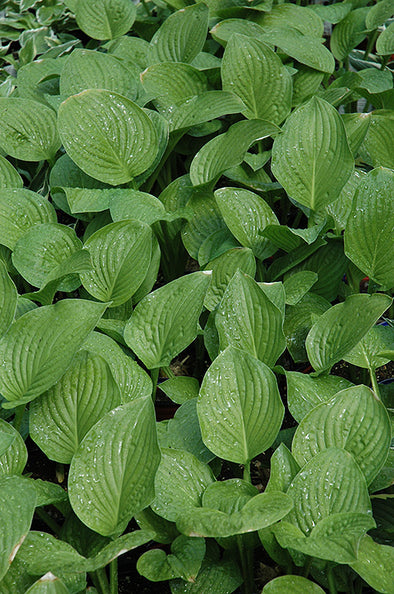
196, 213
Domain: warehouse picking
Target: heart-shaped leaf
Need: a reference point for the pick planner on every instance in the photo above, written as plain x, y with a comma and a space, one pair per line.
341, 327
184, 561
296, 584
15, 493
108, 136
9, 177
29, 129
354, 421
60, 418
246, 214
252, 70
20, 209
164, 322
312, 159
247, 319
105, 19
120, 254
40, 345
369, 227
112, 474
239, 407
13, 452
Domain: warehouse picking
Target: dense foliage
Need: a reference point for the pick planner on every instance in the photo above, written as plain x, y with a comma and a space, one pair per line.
196, 208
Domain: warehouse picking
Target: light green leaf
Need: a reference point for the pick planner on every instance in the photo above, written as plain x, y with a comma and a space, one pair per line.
283, 470
131, 50
375, 565
229, 495
203, 108
356, 126
223, 269
246, 214
8, 299
224, 30
43, 249
88, 69
204, 220
165, 322
15, 494
28, 130
252, 70
385, 42
9, 177
48, 584
378, 141
111, 475
340, 328
94, 200
340, 209
333, 13
105, 19
180, 388
239, 407
378, 14
354, 421
348, 33
366, 353
299, 17
181, 37
296, 584
120, 253
132, 380
173, 82
184, 561
298, 284
247, 319
19, 210
304, 392
180, 481
140, 206
228, 149
275, 293
311, 159
260, 511
369, 227
108, 136
13, 452
40, 345
60, 418
184, 433
299, 319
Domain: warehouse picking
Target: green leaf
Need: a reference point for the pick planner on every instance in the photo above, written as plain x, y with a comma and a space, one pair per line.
354, 421
9, 177
333, 13
184, 433
252, 70
305, 84
88, 69
223, 269
247, 319
341, 208
108, 136
202, 108
298, 284
48, 584
165, 322
105, 19
375, 564
356, 126
378, 141
112, 474
215, 577
184, 561
385, 42
283, 470
348, 33
180, 481
60, 418
311, 159
8, 299
40, 345
15, 494
299, 17
132, 380
229, 495
369, 227
227, 150
246, 214
180, 388
296, 584
29, 129
205, 219
19, 210
181, 37
173, 82
304, 392
13, 452
378, 14
140, 206
239, 407
340, 328
44, 248
260, 511
120, 253
366, 353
